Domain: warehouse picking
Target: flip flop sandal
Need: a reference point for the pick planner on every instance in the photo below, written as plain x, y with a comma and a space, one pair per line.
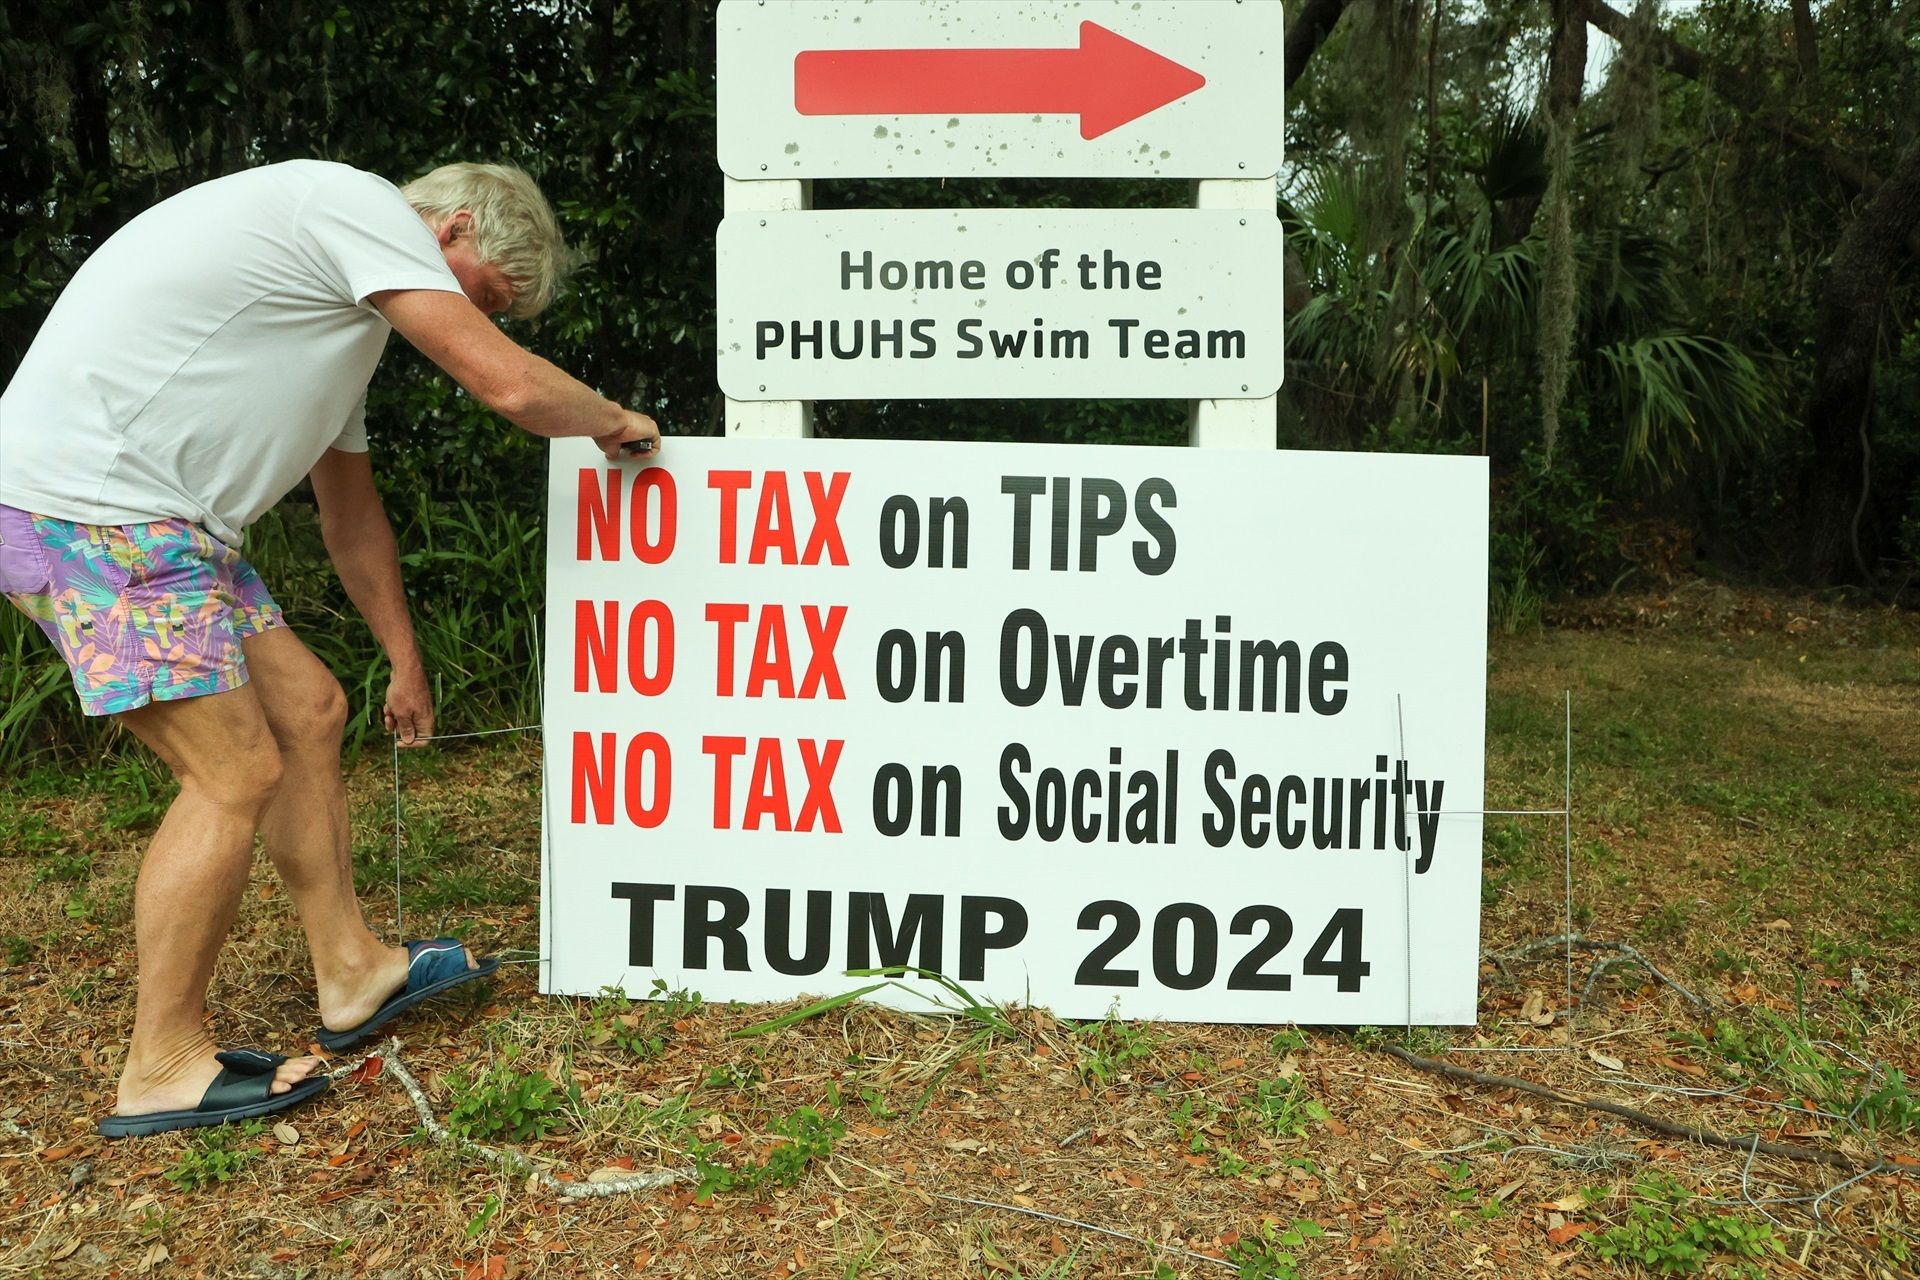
434, 966
242, 1090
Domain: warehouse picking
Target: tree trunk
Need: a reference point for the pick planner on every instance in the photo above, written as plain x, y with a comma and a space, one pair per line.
1853, 306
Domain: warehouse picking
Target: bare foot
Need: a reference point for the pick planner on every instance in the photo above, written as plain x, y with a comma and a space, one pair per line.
178, 1080
351, 999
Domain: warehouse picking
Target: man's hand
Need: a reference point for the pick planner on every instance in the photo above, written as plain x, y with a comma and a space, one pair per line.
409, 708
639, 436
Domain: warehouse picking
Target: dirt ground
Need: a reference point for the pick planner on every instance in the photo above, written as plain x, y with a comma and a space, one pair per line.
1747, 822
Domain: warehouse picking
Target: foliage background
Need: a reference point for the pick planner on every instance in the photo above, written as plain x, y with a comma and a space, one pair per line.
1615, 292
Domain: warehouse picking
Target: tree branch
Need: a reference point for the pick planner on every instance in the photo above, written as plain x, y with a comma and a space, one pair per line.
1308, 32
1747, 1142
1742, 89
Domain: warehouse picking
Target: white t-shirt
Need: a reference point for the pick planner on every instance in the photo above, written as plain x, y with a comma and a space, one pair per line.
206, 356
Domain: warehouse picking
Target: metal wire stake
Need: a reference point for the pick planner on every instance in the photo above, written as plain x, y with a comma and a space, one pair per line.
1565, 814
1406, 862
1566, 827
399, 925
399, 929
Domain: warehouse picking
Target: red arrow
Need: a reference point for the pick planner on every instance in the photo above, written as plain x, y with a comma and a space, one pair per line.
1108, 81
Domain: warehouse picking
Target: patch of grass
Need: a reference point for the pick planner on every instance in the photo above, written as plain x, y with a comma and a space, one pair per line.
1665, 923
1730, 961
671, 1125
1425, 1041
999, 1264
448, 864
26, 834
215, 1154
1668, 1233
989, 1020
1774, 1051
65, 866
138, 792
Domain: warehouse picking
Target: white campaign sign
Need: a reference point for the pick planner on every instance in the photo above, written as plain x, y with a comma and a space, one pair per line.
1068, 724
1000, 88
970, 303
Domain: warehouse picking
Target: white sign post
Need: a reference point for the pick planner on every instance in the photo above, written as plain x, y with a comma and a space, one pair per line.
1000, 303
1032, 717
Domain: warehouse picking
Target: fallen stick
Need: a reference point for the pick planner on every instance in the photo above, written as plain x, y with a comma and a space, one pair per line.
511, 1160
1627, 952
1749, 1143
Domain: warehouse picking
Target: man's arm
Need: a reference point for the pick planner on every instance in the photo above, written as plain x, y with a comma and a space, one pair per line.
360, 544
516, 384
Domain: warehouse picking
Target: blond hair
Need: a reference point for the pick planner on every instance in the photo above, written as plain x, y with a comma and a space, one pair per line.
513, 226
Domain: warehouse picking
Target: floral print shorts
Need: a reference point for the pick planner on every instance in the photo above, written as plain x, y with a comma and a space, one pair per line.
141, 612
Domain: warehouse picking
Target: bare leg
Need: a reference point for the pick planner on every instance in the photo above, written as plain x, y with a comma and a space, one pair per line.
189, 889
306, 829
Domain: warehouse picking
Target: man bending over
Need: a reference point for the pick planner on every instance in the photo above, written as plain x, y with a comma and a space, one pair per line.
205, 358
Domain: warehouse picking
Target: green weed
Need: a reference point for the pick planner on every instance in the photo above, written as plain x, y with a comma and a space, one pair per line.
1292, 1040
808, 1135
1665, 1233
1193, 1120
1894, 1247
18, 950
155, 1223
1463, 1193
1666, 923
1269, 1254
738, 1076
499, 1102
1283, 1107
876, 1103
638, 1028
1110, 1048
871, 1247
478, 1222
215, 1154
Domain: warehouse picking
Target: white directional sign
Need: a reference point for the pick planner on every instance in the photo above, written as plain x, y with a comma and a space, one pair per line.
1071, 725
1000, 88
964, 304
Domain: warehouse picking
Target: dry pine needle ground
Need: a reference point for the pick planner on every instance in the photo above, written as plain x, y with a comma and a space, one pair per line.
1747, 786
